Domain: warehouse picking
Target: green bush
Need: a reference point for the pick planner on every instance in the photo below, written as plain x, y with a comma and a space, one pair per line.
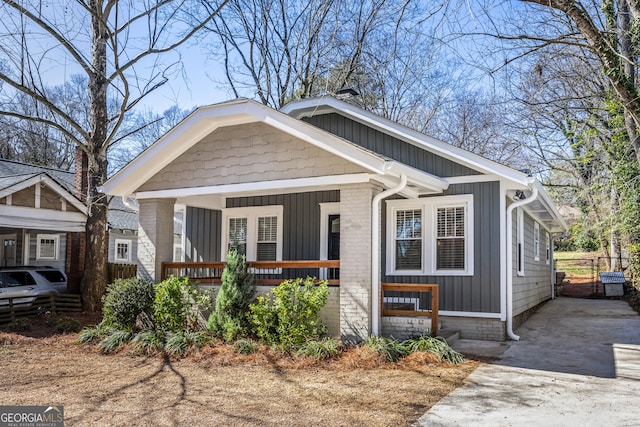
67, 324
238, 290
115, 340
179, 342
291, 316
391, 349
19, 325
128, 304
178, 304
244, 346
323, 349
437, 346
94, 333
149, 342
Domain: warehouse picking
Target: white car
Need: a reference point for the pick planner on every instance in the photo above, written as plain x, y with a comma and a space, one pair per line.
24, 284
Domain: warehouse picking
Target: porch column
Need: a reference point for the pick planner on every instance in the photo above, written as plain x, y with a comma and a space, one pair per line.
155, 236
355, 261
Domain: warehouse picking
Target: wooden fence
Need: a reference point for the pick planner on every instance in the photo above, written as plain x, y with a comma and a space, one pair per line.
265, 272
404, 299
12, 308
120, 271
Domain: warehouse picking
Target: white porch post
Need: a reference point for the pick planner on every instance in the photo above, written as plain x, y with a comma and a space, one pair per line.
355, 261
155, 236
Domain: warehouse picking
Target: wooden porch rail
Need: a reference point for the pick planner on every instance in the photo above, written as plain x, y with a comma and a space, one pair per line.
411, 287
183, 267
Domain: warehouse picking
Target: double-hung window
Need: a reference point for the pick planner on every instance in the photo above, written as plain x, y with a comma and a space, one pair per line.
47, 246
122, 250
255, 232
432, 235
536, 241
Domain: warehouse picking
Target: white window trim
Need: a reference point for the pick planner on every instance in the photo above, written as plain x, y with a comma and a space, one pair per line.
326, 209
252, 214
536, 241
55, 238
127, 242
520, 241
429, 207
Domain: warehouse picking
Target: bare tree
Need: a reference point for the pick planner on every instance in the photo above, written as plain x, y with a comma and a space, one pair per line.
121, 48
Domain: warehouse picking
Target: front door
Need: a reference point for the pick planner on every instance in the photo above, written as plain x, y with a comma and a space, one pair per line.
7, 250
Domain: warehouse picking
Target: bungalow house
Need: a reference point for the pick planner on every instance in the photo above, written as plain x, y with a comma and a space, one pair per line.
323, 179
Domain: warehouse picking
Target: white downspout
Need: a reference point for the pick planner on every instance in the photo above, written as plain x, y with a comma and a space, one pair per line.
510, 209
375, 252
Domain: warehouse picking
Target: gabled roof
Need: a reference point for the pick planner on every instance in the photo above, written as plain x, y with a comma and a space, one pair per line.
9, 168
206, 120
13, 184
543, 209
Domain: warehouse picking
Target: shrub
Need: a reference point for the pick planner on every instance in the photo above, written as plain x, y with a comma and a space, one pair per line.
391, 349
94, 333
128, 304
115, 340
179, 342
229, 319
177, 305
149, 342
437, 346
244, 346
293, 316
67, 324
323, 349
19, 325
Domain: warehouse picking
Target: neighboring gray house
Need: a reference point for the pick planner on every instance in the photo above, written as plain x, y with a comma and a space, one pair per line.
323, 179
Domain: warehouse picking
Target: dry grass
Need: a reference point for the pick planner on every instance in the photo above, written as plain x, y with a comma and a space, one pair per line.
217, 386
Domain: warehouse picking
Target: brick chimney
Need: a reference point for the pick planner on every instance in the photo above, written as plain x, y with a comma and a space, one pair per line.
81, 177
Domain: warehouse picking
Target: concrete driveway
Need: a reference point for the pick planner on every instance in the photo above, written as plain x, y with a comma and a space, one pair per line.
577, 364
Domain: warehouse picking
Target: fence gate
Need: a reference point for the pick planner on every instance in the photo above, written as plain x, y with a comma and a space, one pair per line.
580, 278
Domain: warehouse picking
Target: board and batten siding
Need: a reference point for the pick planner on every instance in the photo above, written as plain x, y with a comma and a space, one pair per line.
202, 235
301, 225
480, 292
386, 145
300, 220
534, 287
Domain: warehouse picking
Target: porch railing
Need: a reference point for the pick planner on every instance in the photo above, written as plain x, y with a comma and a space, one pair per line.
405, 299
266, 272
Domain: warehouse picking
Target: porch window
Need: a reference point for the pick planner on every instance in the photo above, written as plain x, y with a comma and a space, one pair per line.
409, 239
432, 235
255, 232
122, 250
47, 246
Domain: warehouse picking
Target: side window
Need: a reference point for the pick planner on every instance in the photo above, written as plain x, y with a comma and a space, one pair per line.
122, 250
47, 246
520, 242
536, 241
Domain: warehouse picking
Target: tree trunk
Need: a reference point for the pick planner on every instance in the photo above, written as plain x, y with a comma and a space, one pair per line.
95, 278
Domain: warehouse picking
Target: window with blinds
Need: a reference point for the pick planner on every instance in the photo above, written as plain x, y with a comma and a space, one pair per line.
238, 235
450, 238
409, 239
430, 236
267, 242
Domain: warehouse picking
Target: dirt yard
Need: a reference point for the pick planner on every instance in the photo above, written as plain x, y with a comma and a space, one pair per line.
216, 386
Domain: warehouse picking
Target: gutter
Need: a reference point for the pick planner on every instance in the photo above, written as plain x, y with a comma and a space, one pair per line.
375, 252
510, 209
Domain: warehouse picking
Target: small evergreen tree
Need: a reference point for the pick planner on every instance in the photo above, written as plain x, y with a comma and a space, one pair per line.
229, 319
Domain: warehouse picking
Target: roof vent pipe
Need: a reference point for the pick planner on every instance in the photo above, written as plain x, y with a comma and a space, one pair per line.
510, 209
